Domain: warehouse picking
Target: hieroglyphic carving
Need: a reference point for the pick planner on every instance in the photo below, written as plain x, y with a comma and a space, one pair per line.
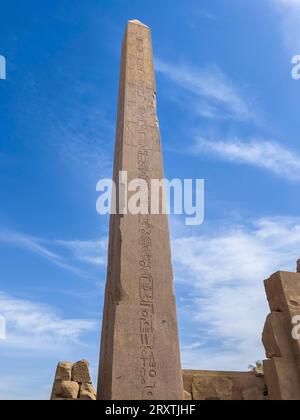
141, 120
148, 371
141, 133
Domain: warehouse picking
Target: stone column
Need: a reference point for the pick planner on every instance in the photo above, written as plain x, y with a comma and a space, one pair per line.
282, 369
140, 357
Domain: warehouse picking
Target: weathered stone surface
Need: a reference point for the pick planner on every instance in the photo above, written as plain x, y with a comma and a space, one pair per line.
80, 387
87, 392
81, 372
277, 335
213, 385
88, 388
212, 388
187, 378
282, 371
56, 390
282, 378
64, 371
87, 396
187, 396
69, 389
253, 394
269, 338
283, 291
140, 356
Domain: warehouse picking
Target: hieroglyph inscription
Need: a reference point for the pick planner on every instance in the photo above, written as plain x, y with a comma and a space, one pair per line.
142, 132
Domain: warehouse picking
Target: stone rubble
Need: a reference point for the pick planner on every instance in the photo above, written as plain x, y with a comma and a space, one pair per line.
73, 382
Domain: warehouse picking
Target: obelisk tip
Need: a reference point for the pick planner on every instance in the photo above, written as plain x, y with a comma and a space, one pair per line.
138, 22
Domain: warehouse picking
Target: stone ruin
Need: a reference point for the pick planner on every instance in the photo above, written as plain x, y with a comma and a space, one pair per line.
140, 358
73, 382
278, 380
225, 386
281, 336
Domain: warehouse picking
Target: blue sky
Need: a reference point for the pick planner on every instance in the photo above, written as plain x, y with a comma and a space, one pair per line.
229, 113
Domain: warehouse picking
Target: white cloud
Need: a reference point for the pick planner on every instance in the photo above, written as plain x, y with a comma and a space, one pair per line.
265, 154
87, 252
28, 242
240, 252
289, 11
36, 246
90, 252
36, 326
216, 93
289, 3
38, 336
224, 273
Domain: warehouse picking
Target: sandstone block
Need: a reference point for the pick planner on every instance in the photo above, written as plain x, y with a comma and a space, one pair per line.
69, 389
56, 390
81, 372
282, 378
87, 392
187, 378
237, 386
187, 396
212, 388
277, 335
283, 291
253, 394
87, 396
64, 371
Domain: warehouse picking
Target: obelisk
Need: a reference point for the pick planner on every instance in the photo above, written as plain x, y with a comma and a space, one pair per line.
140, 358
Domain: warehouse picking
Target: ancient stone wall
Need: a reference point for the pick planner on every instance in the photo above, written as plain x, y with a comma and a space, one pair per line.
73, 382
238, 386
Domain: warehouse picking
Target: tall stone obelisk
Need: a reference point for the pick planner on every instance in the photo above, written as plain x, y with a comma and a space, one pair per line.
140, 358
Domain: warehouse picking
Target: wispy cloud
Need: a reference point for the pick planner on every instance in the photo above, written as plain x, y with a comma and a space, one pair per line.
290, 21
36, 246
224, 272
36, 326
37, 331
218, 96
90, 252
240, 252
288, 3
28, 242
265, 154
